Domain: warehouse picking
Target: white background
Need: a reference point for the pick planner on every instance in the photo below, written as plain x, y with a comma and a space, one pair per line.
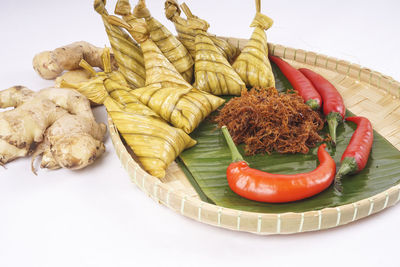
97, 217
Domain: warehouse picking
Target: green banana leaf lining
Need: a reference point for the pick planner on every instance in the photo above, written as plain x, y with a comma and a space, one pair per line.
205, 166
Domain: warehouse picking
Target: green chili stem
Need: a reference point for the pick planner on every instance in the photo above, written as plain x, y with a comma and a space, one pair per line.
333, 120
313, 104
236, 156
348, 165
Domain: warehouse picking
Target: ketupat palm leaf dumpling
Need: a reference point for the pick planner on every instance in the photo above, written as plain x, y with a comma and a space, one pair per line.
126, 51
155, 143
153, 140
213, 73
169, 45
253, 64
186, 34
166, 92
173, 13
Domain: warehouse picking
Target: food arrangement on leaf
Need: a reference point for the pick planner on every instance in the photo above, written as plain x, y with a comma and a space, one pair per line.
195, 100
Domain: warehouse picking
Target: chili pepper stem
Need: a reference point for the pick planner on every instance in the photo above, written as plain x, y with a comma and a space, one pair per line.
337, 184
333, 120
236, 156
313, 104
348, 165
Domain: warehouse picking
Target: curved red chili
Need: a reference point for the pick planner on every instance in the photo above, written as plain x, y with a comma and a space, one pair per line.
299, 82
356, 155
333, 105
277, 188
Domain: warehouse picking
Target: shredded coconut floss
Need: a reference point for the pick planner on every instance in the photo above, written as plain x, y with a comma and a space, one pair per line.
267, 121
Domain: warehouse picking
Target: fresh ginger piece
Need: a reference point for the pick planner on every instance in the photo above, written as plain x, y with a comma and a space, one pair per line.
48, 161
50, 64
70, 100
25, 124
14, 96
72, 142
57, 123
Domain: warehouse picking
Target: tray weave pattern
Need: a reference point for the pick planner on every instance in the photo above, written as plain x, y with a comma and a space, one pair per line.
365, 92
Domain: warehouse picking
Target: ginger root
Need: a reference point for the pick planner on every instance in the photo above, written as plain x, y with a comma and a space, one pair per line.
72, 147
50, 64
55, 123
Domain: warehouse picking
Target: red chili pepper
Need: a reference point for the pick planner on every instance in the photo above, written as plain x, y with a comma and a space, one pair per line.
277, 188
333, 106
299, 82
356, 155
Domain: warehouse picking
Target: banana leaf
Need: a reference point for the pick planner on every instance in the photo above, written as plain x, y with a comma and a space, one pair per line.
205, 166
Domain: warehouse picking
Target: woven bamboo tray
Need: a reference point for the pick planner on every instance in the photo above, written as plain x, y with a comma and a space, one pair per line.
366, 93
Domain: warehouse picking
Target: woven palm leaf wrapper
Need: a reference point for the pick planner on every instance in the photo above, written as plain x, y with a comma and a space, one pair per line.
166, 92
213, 72
126, 51
367, 93
252, 64
186, 34
153, 141
169, 45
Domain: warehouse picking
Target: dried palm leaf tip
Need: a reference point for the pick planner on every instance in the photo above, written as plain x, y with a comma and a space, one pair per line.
135, 26
126, 51
171, 8
267, 121
186, 30
169, 45
123, 8
141, 11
